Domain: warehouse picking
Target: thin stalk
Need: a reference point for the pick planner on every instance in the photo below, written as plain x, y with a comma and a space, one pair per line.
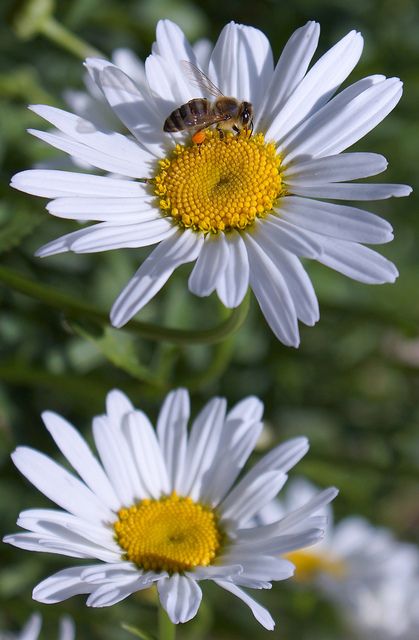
78, 309
167, 630
61, 36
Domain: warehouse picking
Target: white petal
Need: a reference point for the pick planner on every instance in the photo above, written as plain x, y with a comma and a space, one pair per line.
172, 434
210, 265
261, 614
296, 517
345, 119
335, 220
272, 294
176, 250
115, 210
337, 168
60, 586
216, 572
109, 594
355, 191
59, 485
106, 236
126, 166
240, 433
57, 184
233, 282
202, 50
117, 460
180, 596
202, 446
282, 458
264, 568
118, 405
32, 628
250, 495
299, 284
133, 108
275, 230
130, 64
357, 262
242, 63
67, 629
289, 71
319, 85
85, 132
77, 452
148, 455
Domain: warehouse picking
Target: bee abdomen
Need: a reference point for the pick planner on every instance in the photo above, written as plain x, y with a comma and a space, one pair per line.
190, 114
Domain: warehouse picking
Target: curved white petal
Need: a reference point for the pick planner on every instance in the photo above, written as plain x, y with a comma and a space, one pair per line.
241, 64
130, 64
61, 586
67, 629
116, 211
250, 495
79, 455
148, 455
202, 447
172, 434
261, 614
178, 249
334, 221
355, 191
118, 405
357, 262
289, 71
109, 594
106, 236
49, 183
180, 596
210, 265
272, 294
59, 485
32, 628
233, 281
344, 120
278, 233
336, 168
318, 85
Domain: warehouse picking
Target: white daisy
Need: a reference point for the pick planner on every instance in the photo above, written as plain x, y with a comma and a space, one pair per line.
161, 507
32, 629
245, 208
373, 577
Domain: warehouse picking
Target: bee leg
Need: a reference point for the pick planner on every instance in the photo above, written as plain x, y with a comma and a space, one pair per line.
235, 129
221, 133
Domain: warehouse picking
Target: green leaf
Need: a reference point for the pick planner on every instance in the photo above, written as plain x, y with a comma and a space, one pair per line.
15, 225
138, 633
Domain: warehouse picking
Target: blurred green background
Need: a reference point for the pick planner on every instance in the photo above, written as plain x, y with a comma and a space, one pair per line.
352, 387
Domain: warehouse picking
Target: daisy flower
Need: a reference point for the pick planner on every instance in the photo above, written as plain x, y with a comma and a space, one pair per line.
32, 629
244, 208
373, 577
164, 507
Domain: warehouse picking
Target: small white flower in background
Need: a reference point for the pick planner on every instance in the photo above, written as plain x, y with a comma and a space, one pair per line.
32, 629
245, 208
373, 577
163, 507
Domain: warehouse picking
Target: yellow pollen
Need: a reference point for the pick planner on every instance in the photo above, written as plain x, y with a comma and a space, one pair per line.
221, 184
172, 534
309, 565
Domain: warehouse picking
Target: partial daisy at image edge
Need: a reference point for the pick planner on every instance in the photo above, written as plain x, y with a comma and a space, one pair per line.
165, 507
245, 209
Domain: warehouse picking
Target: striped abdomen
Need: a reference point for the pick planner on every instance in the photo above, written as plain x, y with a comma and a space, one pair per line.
188, 116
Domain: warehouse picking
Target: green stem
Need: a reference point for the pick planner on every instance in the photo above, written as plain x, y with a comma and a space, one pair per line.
58, 34
78, 309
167, 630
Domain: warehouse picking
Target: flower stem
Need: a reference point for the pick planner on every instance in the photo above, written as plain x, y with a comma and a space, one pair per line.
77, 309
167, 630
58, 34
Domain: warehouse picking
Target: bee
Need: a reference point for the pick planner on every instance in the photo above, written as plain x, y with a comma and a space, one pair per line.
201, 113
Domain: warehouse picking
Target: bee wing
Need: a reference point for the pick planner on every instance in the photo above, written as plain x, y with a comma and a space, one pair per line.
199, 79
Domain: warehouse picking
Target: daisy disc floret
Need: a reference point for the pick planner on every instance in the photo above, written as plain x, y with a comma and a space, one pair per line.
165, 507
244, 209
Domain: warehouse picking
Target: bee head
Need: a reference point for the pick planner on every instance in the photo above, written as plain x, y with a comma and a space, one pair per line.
246, 114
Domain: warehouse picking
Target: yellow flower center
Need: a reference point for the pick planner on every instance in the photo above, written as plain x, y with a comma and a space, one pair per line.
172, 534
309, 565
220, 185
